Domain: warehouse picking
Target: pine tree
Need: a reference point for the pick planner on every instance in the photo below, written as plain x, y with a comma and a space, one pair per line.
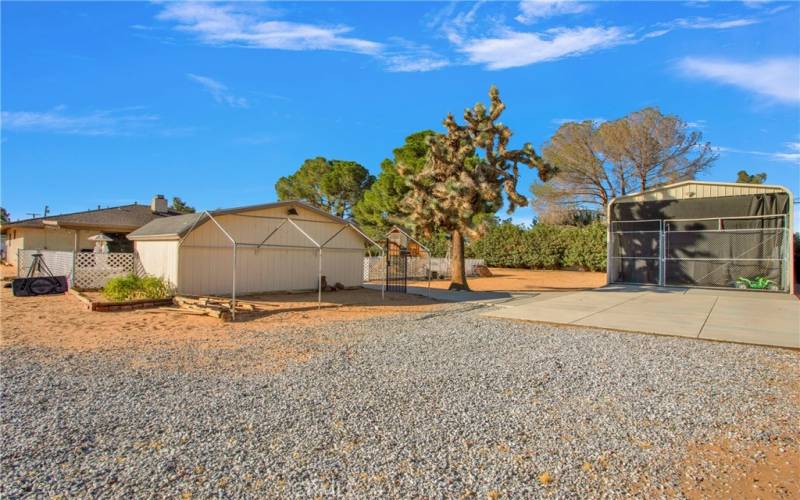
461, 186
379, 209
180, 206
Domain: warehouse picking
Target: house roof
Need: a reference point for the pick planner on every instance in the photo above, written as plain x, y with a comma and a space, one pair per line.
171, 228
124, 218
166, 227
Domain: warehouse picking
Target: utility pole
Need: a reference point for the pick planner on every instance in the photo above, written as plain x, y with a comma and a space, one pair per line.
32, 214
46, 210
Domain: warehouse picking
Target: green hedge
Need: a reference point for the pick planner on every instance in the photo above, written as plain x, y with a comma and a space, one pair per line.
543, 246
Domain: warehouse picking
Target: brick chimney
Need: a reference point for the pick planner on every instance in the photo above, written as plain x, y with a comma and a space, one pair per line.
159, 204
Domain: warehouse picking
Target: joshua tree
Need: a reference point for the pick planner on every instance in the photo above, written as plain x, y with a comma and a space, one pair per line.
462, 183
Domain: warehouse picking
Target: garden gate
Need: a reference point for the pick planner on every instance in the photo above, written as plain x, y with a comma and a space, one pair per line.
396, 268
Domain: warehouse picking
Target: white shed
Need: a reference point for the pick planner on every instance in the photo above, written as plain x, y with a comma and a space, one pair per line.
283, 246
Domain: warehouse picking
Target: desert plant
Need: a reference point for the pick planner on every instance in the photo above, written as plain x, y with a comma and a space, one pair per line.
132, 287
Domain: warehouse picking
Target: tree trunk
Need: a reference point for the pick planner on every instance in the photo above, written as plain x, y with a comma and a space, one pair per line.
458, 281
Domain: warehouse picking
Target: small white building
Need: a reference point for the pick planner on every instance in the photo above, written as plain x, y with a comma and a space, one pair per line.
282, 246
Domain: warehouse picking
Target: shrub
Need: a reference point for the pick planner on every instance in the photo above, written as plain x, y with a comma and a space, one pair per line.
502, 246
543, 246
587, 248
132, 287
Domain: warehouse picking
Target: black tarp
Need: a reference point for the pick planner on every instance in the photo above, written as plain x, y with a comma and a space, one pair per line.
696, 252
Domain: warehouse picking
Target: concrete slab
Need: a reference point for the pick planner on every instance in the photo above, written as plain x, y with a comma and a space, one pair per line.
755, 321
568, 308
749, 295
453, 296
726, 315
646, 314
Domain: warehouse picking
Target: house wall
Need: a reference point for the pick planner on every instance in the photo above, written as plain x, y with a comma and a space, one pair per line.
158, 258
205, 263
30, 238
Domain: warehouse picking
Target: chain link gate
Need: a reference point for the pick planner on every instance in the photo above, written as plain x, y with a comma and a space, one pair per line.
396, 268
724, 252
635, 251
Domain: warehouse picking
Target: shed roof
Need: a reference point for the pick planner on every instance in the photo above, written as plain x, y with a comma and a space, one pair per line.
698, 189
173, 228
122, 219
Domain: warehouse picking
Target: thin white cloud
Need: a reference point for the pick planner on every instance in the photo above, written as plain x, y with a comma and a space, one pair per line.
701, 23
531, 11
791, 156
775, 78
456, 26
513, 48
125, 121
414, 64
407, 56
218, 91
226, 24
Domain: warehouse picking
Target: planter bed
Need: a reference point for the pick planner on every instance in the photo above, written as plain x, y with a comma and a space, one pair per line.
94, 302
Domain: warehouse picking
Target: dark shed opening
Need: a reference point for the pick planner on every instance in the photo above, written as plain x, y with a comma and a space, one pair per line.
700, 234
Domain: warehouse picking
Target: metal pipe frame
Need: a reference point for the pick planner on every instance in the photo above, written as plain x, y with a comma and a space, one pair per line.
264, 243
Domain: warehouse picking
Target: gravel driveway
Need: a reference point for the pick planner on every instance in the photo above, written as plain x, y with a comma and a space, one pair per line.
441, 404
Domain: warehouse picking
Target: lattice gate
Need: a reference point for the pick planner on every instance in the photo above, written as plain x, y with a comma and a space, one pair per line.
396, 268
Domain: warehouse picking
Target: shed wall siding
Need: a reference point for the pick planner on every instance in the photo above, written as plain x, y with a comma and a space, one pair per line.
208, 271
205, 265
158, 258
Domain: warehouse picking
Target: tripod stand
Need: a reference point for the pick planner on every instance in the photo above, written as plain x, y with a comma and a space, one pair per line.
43, 284
39, 266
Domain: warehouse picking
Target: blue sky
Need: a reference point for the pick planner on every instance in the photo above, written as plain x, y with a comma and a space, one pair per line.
110, 103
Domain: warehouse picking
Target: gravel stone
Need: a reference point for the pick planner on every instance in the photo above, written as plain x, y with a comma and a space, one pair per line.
442, 405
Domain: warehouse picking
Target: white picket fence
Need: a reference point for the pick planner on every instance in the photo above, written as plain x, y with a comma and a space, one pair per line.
418, 267
84, 270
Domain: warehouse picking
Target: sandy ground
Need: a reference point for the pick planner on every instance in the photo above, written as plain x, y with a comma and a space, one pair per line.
518, 280
61, 322
8, 271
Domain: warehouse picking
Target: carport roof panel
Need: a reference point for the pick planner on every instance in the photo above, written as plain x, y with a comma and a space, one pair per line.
698, 189
172, 228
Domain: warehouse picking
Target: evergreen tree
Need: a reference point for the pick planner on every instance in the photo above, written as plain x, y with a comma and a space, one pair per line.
461, 185
4, 216
332, 185
380, 208
180, 206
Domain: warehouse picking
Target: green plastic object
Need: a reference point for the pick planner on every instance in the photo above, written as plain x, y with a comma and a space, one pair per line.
757, 283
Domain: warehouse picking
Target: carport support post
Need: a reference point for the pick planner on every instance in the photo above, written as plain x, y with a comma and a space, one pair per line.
319, 280
233, 291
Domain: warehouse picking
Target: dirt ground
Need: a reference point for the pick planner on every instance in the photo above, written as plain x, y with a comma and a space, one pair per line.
62, 322
527, 280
